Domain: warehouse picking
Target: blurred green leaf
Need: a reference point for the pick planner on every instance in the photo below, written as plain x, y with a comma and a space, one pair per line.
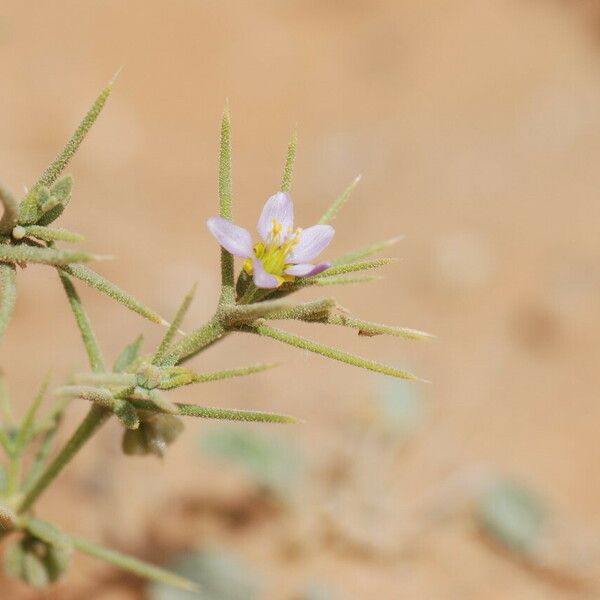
513, 515
316, 591
219, 576
267, 459
398, 408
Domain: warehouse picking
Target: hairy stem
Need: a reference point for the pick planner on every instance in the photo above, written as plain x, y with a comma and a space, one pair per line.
200, 338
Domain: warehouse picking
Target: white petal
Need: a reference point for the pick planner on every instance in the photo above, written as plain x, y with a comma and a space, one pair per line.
312, 242
261, 278
232, 237
279, 208
306, 269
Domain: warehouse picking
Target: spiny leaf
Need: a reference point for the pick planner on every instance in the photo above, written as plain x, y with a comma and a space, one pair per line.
11, 211
134, 565
316, 310
165, 344
187, 377
339, 202
49, 234
370, 328
100, 396
83, 323
8, 294
129, 355
338, 280
354, 267
303, 282
366, 251
160, 401
53, 171
290, 159
207, 412
225, 167
47, 256
274, 309
49, 533
106, 379
327, 351
110, 289
226, 210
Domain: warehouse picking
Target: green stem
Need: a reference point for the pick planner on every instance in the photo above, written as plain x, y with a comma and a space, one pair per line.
14, 473
200, 338
95, 418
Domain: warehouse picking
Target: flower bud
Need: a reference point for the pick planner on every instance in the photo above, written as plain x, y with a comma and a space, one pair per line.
36, 562
155, 433
149, 376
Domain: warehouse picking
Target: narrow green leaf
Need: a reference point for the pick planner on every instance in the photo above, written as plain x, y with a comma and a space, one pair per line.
165, 344
129, 355
133, 565
106, 379
160, 400
83, 323
49, 533
332, 211
101, 396
369, 328
354, 267
290, 159
26, 427
226, 209
338, 280
189, 377
11, 211
327, 351
207, 412
53, 171
317, 310
366, 251
98, 282
279, 309
225, 200
8, 294
49, 234
303, 282
46, 256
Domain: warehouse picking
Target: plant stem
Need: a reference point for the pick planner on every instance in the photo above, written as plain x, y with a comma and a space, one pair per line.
200, 338
95, 418
14, 473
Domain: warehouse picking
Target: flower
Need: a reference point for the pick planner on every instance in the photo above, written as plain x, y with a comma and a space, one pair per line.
284, 252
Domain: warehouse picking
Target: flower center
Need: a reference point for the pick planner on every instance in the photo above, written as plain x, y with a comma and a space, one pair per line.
274, 252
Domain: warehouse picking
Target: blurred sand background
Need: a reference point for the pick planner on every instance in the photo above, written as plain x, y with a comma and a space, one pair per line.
476, 126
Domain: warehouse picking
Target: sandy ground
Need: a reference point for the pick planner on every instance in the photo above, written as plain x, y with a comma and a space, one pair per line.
476, 126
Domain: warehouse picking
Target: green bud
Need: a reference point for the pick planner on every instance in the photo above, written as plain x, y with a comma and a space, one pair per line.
36, 562
49, 204
149, 376
155, 433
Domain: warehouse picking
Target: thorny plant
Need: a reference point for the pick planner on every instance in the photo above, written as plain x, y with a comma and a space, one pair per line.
135, 389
